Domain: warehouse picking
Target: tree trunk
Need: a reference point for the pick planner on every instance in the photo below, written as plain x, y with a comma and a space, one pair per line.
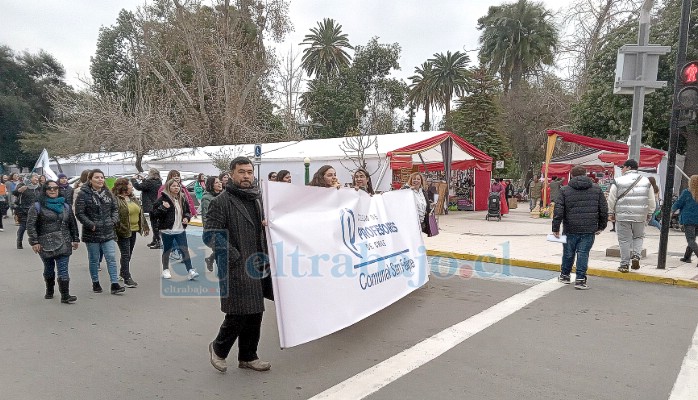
426, 126
139, 161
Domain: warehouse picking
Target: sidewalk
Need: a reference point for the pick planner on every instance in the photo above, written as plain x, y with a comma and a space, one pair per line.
520, 240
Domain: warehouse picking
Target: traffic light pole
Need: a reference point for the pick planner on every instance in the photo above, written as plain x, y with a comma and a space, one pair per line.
673, 136
643, 38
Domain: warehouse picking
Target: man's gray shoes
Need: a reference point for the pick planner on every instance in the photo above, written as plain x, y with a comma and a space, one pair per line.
257, 365
217, 362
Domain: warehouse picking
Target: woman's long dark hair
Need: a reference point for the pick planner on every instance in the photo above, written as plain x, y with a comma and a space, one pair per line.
319, 177
281, 175
92, 174
209, 185
369, 184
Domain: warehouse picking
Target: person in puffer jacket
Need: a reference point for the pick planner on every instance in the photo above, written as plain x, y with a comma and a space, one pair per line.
97, 211
582, 210
631, 204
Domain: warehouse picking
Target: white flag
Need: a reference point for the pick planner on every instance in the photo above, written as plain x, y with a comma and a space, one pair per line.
42, 167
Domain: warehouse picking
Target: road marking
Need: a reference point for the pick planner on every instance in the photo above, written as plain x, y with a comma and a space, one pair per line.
373, 379
686, 385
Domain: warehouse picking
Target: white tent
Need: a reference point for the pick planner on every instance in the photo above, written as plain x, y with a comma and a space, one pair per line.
275, 157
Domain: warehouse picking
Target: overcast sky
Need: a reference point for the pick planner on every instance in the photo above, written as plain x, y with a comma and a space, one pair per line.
68, 29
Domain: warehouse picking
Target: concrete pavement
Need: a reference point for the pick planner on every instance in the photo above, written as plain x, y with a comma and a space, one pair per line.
521, 241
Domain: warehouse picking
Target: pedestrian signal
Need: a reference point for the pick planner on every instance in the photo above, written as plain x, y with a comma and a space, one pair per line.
687, 89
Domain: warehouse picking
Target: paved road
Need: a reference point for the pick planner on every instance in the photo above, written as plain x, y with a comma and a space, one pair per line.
619, 340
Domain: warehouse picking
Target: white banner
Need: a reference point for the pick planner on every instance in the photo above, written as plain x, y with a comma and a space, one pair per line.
339, 256
42, 167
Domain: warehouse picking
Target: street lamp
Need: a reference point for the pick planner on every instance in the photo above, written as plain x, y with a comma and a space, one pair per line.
306, 162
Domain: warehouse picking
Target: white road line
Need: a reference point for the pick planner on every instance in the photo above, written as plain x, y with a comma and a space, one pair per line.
373, 379
686, 385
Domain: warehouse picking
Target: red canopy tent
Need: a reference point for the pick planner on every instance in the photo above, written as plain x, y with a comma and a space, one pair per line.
608, 152
447, 152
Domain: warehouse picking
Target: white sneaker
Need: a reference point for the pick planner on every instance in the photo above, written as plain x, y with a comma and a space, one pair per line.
192, 274
2, 230
166, 274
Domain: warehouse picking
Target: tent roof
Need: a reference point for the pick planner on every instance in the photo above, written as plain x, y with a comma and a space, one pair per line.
430, 149
601, 144
589, 156
316, 149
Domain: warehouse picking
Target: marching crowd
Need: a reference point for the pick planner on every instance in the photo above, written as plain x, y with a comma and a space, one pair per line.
57, 216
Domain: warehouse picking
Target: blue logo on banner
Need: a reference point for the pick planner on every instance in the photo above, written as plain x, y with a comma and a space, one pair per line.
348, 222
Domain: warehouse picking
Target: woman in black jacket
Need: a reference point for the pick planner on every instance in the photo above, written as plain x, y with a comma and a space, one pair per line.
149, 195
26, 195
66, 191
96, 209
53, 234
171, 213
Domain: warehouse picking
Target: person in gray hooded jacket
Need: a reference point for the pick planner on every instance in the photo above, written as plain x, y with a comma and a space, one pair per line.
631, 204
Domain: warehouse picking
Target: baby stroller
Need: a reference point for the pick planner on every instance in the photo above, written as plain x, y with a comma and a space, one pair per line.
494, 207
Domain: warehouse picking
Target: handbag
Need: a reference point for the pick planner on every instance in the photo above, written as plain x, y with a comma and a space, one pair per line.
432, 225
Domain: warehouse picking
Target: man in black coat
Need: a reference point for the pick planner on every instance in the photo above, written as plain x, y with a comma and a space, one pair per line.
149, 194
234, 230
582, 209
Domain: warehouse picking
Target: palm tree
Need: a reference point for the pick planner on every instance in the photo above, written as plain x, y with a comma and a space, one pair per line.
422, 91
517, 40
326, 54
450, 76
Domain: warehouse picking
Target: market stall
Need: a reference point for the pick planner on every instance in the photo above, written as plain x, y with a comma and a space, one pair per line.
450, 159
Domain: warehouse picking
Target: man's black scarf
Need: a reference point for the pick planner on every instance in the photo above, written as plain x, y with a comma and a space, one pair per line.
250, 194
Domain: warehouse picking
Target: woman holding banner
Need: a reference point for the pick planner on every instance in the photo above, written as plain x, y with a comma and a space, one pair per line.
362, 181
283, 176
326, 176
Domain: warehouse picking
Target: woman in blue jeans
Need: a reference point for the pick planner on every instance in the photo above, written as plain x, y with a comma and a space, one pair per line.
172, 213
131, 223
653, 219
688, 205
97, 211
53, 234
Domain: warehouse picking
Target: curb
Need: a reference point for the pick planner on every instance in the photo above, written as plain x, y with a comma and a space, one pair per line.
633, 276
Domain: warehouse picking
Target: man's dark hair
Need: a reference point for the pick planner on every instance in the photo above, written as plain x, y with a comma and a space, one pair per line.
632, 164
239, 161
578, 171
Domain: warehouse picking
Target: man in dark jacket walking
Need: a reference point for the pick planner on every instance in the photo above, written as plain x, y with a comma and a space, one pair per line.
582, 209
149, 195
234, 230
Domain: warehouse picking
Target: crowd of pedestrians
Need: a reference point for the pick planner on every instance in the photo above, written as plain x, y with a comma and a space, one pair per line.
232, 213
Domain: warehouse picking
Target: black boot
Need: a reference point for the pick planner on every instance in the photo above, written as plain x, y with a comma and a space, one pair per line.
116, 288
19, 245
687, 255
64, 288
50, 284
